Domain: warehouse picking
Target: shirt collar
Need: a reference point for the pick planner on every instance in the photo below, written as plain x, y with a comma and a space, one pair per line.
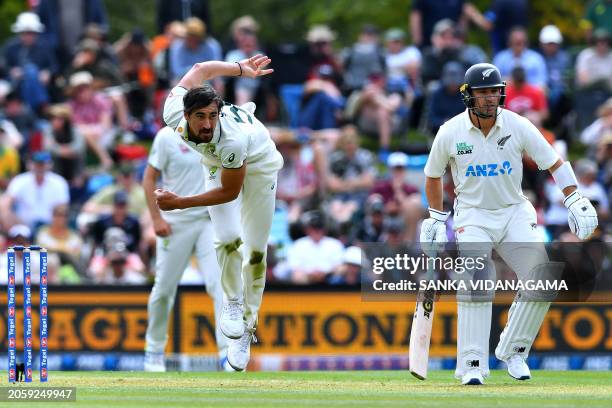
499, 121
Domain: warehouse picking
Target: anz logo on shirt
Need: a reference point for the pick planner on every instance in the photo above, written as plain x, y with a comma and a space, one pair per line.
489, 170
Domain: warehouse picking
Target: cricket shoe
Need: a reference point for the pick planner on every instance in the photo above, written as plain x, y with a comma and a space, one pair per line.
517, 368
239, 350
154, 362
232, 320
472, 377
225, 366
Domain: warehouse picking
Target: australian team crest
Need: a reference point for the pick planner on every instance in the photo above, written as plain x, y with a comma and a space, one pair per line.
210, 149
212, 174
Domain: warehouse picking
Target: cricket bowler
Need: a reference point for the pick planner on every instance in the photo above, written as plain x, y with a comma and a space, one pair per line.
241, 166
179, 235
484, 147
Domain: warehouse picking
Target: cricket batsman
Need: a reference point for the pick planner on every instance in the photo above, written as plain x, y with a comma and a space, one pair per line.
180, 234
484, 146
241, 165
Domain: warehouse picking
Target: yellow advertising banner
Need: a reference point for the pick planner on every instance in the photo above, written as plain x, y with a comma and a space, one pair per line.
109, 319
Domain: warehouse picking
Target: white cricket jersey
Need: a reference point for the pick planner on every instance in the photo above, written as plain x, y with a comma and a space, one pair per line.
238, 136
181, 170
487, 172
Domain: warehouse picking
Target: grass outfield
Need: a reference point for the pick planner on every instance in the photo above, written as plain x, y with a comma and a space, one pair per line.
329, 389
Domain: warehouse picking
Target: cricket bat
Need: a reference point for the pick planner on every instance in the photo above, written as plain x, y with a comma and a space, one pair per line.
420, 333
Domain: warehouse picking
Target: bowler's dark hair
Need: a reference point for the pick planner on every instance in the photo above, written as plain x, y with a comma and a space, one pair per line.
201, 97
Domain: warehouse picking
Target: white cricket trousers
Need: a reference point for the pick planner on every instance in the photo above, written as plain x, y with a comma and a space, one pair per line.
512, 233
189, 237
242, 228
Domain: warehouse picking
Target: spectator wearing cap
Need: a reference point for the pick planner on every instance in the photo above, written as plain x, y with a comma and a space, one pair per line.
92, 113
314, 257
518, 54
18, 235
402, 61
321, 53
401, 199
196, 47
426, 13
594, 64
595, 132
118, 217
244, 30
598, 14
9, 159
30, 62
349, 272
63, 244
445, 101
31, 196
115, 264
524, 98
350, 176
557, 65
66, 145
363, 59
65, 23
371, 228
443, 49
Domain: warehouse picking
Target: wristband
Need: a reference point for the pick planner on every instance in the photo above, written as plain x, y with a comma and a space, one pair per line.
438, 215
564, 176
239, 66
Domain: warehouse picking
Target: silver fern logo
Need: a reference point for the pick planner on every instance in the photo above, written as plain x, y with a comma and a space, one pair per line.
502, 141
487, 73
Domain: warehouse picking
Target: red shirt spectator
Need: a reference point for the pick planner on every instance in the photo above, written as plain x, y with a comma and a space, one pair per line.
524, 98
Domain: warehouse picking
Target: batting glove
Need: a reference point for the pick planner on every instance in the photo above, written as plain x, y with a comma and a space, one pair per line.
433, 232
582, 217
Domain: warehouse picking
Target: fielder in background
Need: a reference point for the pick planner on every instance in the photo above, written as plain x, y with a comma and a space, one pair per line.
241, 164
484, 147
180, 234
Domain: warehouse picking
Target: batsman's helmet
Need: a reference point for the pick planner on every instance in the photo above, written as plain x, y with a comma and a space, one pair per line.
481, 76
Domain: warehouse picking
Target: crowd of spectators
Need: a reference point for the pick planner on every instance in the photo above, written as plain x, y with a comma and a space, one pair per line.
78, 113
